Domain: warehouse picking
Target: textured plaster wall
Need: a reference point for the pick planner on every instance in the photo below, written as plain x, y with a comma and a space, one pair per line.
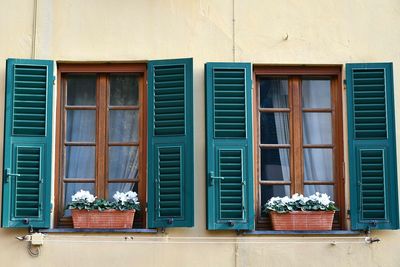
319, 32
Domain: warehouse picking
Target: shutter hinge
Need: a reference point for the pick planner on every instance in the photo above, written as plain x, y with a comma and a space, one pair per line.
344, 84
54, 80
145, 207
51, 208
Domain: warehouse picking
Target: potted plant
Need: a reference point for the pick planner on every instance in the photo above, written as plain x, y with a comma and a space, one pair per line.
90, 212
301, 213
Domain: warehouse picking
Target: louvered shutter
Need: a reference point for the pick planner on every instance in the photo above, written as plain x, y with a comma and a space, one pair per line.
229, 146
372, 146
27, 143
170, 144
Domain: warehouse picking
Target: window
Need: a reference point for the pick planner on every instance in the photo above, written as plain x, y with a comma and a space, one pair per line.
101, 136
298, 135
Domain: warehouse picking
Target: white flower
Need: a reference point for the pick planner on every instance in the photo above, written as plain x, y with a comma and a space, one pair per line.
120, 197
83, 196
296, 197
132, 196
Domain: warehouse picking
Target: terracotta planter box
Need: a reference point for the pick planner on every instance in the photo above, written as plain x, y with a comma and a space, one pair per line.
303, 220
108, 219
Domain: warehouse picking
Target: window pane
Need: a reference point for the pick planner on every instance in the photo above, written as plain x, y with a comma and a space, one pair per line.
124, 90
123, 162
268, 191
275, 164
316, 93
273, 93
79, 161
312, 189
318, 164
71, 188
81, 90
274, 128
317, 128
81, 126
123, 126
121, 187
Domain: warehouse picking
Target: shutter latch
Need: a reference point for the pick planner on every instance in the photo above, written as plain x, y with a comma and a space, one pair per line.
7, 174
212, 178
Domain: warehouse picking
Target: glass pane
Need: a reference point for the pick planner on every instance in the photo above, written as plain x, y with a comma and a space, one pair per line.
318, 164
71, 188
124, 90
275, 164
81, 90
316, 93
317, 128
268, 191
79, 162
121, 187
123, 162
274, 128
81, 126
312, 189
273, 93
123, 126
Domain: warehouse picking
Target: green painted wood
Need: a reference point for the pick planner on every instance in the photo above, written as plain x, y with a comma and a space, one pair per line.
372, 146
27, 143
170, 143
229, 147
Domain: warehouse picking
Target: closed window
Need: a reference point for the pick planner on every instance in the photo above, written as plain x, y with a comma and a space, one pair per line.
299, 143
101, 138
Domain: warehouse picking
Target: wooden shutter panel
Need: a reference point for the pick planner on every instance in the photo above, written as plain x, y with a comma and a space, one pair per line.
229, 146
372, 146
27, 143
170, 144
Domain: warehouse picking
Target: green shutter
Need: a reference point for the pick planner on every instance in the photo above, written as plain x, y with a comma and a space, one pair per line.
27, 143
229, 146
170, 144
372, 146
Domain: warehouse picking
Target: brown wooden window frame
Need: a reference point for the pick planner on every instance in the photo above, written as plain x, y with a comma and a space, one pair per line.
102, 107
295, 110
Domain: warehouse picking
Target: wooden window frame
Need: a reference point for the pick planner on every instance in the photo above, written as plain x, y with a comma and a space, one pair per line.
296, 73
102, 70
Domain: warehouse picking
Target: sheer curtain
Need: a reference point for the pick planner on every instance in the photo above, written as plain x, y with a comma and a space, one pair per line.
280, 99
317, 129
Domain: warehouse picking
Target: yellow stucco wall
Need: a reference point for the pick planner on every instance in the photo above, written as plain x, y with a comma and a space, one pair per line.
319, 32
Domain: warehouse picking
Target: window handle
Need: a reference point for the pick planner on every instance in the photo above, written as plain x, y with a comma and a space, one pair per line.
8, 173
212, 178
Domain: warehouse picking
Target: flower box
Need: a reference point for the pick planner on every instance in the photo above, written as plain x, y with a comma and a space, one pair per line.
106, 219
302, 220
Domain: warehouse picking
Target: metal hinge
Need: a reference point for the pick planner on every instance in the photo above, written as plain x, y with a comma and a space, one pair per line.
345, 84
54, 80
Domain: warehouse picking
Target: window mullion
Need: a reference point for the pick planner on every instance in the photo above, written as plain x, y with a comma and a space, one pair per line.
101, 135
297, 142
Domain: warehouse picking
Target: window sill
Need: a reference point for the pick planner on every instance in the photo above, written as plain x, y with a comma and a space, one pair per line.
73, 230
300, 233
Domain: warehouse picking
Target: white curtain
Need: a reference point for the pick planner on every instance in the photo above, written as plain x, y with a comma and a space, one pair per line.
317, 129
280, 99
